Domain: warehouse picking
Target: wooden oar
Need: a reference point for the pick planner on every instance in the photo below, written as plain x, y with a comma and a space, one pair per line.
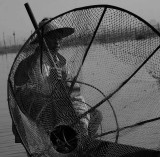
40, 37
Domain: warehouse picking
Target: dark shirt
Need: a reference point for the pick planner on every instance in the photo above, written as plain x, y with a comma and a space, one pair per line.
22, 73
22, 78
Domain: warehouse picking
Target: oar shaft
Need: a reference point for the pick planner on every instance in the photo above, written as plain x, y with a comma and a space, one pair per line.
34, 22
42, 41
30, 13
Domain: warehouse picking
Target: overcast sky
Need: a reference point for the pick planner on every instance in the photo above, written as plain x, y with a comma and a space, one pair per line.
14, 18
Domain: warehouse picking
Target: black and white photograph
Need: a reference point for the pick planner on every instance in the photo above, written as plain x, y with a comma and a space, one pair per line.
80, 78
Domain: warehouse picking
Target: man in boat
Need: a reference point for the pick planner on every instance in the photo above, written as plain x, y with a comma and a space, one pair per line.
24, 76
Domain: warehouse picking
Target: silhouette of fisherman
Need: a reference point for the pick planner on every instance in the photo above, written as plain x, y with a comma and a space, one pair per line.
25, 77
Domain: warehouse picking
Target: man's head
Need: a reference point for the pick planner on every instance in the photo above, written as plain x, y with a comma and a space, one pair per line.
53, 32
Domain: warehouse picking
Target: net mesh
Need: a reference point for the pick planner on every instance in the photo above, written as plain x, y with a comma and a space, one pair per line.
119, 46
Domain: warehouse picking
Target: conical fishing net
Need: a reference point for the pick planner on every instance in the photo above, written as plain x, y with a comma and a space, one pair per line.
112, 56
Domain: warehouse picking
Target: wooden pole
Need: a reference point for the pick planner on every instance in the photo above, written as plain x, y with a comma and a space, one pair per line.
4, 40
41, 41
30, 13
14, 36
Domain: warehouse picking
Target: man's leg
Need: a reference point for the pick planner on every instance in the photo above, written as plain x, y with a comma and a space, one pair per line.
95, 121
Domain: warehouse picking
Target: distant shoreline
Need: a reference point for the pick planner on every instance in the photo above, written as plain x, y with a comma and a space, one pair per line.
84, 39
10, 49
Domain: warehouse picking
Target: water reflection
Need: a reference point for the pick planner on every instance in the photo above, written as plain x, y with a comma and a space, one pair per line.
7, 146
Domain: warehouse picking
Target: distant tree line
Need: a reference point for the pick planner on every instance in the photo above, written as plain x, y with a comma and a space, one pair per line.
113, 36
10, 49
103, 36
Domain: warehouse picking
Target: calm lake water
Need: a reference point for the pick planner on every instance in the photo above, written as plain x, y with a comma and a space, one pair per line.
7, 146
130, 106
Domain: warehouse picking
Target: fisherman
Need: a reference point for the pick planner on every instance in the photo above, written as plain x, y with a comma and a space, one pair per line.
53, 33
